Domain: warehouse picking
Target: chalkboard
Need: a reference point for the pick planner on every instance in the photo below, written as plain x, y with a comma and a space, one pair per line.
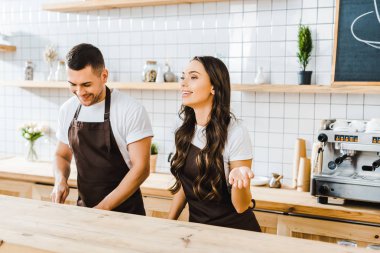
357, 43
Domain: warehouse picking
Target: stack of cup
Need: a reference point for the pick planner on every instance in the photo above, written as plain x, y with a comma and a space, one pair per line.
299, 151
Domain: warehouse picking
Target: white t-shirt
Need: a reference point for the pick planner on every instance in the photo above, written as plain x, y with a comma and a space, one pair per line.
129, 120
238, 146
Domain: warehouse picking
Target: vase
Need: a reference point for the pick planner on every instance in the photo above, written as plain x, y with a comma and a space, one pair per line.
51, 72
260, 79
31, 154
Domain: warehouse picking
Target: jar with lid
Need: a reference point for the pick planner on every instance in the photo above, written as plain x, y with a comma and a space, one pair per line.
28, 70
60, 73
150, 71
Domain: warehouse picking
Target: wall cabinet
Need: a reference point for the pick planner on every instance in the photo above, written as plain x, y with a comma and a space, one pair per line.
33, 191
16, 188
327, 231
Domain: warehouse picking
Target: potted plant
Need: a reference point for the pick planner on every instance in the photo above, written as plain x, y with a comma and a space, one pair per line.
153, 157
305, 45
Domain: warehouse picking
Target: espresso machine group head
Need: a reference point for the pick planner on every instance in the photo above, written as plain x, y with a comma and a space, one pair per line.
350, 168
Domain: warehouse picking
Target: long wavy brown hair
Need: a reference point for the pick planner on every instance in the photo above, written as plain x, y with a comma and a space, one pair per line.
209, 160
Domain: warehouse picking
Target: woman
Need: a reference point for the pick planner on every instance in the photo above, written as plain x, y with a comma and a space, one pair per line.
211, 146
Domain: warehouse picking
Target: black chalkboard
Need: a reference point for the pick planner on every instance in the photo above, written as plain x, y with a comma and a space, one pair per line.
357, 43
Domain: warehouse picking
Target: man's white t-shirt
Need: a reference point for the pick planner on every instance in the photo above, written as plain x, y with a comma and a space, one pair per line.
129, 120
238, 146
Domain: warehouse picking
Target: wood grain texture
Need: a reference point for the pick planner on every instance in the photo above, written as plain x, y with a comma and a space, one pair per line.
281, 200
64, 228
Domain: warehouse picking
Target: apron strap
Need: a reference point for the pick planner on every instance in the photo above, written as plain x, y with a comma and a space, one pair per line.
107, 105
107, 119
77, 111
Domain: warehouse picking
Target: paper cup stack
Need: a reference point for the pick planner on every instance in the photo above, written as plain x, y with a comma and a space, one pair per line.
301, 167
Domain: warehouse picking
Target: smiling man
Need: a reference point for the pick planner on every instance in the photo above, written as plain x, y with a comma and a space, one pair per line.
109, 138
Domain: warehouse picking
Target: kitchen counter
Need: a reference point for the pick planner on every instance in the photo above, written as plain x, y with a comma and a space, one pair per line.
36, 226
279, 200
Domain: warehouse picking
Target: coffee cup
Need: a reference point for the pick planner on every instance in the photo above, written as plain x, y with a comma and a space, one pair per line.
358, 125
373, 125
339, 124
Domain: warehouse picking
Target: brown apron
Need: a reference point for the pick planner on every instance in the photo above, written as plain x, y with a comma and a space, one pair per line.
213, 212
100, 164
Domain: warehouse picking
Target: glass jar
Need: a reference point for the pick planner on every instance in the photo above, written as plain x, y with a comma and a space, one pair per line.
150, 71
60, 73
28, 70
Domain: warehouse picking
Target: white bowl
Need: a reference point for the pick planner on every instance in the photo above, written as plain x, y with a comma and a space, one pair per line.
257, 180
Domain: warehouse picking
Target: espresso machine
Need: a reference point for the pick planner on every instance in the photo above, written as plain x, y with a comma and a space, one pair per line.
347, 165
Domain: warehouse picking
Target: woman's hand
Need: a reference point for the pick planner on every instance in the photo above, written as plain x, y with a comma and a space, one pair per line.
240, 177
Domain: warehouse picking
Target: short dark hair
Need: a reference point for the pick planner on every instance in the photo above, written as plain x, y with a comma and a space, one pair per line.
84, 55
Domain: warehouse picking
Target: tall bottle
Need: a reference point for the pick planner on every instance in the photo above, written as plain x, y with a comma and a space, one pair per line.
28, 70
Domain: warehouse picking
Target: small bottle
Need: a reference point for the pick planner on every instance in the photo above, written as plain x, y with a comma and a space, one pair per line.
28, 70
259, 79
150, 71
60, 73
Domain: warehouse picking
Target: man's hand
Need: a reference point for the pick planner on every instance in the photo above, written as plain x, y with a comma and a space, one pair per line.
240, 177
60, 192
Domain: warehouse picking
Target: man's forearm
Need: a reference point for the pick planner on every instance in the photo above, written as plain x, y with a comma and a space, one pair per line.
61, 168
130, 183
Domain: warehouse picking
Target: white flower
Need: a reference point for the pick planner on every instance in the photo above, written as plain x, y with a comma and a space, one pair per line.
50, 54
26, 135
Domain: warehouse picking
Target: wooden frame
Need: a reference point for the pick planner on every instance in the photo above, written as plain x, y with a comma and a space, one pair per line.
76, 6
336, 30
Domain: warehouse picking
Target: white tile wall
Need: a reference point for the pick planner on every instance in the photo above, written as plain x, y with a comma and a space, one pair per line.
245, 34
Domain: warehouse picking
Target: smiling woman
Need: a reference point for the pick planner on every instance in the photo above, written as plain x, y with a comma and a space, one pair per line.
213, 151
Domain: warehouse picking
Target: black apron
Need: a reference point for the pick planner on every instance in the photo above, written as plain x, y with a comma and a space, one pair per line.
100, 164
213, 212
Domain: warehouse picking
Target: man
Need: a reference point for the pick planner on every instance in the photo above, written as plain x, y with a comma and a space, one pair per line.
109, 138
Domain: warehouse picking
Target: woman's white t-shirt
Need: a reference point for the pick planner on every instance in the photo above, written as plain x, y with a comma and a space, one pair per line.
238, 146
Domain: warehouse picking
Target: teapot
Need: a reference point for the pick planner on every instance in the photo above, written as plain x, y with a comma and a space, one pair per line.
275, 181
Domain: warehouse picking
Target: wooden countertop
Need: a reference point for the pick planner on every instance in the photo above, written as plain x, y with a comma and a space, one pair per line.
36, 226
281, 200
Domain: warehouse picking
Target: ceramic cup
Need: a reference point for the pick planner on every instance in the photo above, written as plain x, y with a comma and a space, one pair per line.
358, 125
373, 246
347, 243
373, 125
339, 124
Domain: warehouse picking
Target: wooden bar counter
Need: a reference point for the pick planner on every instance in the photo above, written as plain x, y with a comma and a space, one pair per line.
277, 200
35, 226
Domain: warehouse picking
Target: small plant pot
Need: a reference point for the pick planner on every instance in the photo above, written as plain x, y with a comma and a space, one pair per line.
153, 162
304, 77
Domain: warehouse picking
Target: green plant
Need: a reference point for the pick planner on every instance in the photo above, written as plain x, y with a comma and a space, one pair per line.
305, 45
154, 149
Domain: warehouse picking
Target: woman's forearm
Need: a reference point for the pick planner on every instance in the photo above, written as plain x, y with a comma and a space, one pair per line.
178, 203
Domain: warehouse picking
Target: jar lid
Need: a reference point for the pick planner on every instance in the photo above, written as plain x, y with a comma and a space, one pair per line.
151, 62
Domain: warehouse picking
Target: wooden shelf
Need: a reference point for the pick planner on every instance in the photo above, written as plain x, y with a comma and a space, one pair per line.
91, 5
274, 88
7, 48
118, 85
